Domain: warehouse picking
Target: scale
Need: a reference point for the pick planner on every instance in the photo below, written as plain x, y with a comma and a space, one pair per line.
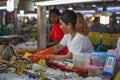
7, 50
7, 53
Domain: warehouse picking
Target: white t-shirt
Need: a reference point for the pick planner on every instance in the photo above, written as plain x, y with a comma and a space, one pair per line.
79, 44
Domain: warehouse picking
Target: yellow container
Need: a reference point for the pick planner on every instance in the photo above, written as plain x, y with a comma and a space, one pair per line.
20, 69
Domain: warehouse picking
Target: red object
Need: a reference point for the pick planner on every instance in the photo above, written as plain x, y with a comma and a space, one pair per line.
80, 71
45, 51
37, 58
45, 54
57, 34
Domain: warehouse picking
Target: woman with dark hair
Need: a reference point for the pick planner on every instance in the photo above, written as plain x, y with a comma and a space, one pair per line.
56, 33
76, 41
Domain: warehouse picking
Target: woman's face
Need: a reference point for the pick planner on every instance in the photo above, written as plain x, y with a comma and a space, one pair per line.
54, 18
65, 28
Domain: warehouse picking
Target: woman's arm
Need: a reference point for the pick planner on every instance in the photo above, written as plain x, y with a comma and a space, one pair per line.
64, 57
57, 48
50, 44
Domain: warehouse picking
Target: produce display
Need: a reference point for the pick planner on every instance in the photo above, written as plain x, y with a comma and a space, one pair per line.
17, 67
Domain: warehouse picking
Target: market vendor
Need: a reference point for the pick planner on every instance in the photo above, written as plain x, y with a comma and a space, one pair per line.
76, 41
56, 34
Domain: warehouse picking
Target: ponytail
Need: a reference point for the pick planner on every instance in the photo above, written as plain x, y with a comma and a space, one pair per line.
81, 25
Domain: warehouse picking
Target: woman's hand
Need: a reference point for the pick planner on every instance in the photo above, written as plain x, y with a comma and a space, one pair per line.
37, 58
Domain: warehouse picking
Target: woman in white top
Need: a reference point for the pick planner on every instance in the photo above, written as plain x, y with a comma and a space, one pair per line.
75, 29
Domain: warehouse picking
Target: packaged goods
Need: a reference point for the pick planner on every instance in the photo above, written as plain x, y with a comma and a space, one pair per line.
99, 58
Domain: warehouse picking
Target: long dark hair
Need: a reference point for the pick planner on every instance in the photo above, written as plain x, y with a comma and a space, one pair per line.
69, 16
55, 11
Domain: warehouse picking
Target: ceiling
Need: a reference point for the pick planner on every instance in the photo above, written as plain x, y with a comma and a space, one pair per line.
108, 2
80, 6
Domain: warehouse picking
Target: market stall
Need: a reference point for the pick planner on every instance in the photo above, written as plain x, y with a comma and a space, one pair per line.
41, 17
21, 68
16, 67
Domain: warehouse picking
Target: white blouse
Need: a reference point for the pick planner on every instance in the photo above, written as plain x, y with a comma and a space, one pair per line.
79, 44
